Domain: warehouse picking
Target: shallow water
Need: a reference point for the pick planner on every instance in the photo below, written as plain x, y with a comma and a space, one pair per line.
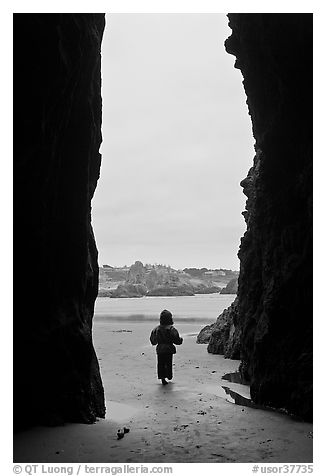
242, 395
119, 412
235, 377
238, 399
202, 308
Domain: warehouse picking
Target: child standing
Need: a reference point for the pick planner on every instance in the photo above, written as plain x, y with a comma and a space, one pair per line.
164, 337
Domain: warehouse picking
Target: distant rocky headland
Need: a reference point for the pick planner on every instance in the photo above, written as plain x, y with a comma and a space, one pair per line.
140, 280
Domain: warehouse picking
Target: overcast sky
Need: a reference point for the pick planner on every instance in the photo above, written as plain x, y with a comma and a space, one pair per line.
177, 141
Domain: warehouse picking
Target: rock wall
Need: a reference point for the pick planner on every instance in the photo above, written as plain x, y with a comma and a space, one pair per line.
274, 54
57, 134
231, 287
224, 336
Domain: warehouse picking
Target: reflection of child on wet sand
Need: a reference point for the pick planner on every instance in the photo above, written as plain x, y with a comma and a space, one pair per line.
164, 336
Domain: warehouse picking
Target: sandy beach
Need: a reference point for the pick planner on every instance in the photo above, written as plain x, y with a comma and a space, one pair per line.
189, 420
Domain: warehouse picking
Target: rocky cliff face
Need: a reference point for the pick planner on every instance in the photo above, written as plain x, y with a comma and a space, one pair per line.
57, 134
231, 287
224, 336
274, 53
136, 274
153, 280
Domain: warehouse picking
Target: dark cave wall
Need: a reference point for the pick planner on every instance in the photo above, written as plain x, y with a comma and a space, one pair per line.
57, 135
274, 54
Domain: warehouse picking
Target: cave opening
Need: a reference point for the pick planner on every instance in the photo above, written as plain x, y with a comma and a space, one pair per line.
177, 141
57, 137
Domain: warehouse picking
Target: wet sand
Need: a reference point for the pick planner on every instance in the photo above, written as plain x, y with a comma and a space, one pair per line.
192, 419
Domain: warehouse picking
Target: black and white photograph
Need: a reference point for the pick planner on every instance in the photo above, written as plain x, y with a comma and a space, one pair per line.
163, 241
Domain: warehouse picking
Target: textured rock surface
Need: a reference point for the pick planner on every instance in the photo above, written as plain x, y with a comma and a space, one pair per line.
223, 337
159, 277
274, 53
205, 334
153, 280
170, 290
128, 291
57, 133
231, 287
136, 274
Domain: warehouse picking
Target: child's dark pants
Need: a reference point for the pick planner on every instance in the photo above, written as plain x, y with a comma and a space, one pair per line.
164, 366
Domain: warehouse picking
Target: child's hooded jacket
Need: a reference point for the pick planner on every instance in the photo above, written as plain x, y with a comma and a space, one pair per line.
164, 337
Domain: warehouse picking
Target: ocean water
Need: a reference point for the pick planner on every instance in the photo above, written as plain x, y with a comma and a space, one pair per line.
201, 308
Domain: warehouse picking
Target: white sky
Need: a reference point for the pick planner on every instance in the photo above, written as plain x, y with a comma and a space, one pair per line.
177, 141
